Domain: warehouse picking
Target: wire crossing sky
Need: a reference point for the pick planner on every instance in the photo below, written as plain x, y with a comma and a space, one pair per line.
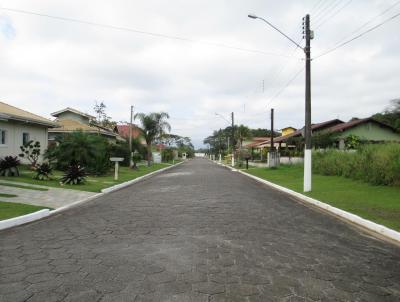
196, 58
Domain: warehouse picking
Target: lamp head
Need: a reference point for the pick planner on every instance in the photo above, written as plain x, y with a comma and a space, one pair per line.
252, 16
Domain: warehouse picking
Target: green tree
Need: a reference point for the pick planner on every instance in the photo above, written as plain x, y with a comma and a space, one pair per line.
243, 132
90, 151
391, 115
153, 126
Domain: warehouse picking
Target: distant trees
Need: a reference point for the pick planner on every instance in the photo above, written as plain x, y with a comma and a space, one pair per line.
391, 115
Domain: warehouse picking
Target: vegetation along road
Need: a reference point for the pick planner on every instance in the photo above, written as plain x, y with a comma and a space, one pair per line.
198, 232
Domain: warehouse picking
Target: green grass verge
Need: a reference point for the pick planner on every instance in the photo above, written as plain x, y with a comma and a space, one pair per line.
92, 184
7, 195
380, 204
11, 209
20, 186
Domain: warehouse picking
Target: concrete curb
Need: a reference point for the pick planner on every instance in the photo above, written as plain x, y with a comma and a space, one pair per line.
12, 222
8, 223
349, 217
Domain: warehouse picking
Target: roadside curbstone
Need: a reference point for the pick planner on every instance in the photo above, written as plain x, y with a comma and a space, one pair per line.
12, 222
373, 227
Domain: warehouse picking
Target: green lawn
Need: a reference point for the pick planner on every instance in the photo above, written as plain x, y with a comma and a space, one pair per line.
7, 195
11, 209
380, 204
92, 184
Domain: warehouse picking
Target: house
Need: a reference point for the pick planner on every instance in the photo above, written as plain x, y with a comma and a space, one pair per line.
71, 120
287, 130
18, 127
123, 131
284, 141
366, 129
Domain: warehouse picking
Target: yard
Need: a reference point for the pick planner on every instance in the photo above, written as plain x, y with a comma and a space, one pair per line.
92, 184
11, 209
380, 204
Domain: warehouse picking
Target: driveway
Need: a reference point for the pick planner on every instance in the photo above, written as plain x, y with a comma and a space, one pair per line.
198, 232
53, 197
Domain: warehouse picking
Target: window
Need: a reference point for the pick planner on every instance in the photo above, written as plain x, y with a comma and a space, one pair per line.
25, 138
2, 137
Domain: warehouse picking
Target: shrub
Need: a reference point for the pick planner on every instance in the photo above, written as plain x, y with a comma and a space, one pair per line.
9, 166
74, 175
43, 171
167, 154
91, 151
376, 164
31, 151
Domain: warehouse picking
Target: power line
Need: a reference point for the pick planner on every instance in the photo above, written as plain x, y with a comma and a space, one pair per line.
322, 12
368, 22
332, 15
270, 101
142, 32
356, 37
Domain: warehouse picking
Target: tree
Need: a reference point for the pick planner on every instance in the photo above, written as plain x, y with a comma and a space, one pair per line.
391, 115
243, 132
102, 119
31, 151
153, 126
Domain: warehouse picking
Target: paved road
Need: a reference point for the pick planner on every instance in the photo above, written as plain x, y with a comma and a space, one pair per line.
198, 232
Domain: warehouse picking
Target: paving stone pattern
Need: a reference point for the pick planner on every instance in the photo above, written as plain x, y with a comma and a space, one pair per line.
198, 232
53, 197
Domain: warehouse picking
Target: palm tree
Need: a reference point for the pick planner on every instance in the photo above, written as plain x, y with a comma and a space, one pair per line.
243, 133
153, 125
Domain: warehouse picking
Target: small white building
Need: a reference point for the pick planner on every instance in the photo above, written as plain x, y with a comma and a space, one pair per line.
18, 126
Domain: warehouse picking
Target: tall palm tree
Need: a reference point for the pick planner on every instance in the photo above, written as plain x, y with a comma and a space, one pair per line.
153, 125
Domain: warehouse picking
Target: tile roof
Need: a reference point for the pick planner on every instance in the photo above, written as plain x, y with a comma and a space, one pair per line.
69, 125
13, 113
356, 122
123, 130
69, 109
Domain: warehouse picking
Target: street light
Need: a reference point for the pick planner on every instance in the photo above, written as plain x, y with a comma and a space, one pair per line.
308, 34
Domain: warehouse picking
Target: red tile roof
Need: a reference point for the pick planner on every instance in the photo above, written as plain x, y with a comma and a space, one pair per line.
356, 122
123, 130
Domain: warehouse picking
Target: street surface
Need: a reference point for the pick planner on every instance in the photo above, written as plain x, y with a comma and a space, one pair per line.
197, 232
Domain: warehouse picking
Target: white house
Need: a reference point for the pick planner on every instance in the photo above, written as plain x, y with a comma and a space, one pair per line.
18, 126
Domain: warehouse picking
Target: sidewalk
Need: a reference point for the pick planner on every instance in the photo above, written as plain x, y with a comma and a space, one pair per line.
53, 197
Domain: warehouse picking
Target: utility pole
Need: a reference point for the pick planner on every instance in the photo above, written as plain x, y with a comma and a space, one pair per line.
308, 34
233, 139
272, 129
130, 140
307, 127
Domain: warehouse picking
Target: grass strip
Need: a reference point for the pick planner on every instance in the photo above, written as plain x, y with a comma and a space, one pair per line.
7, 195
380, 204
22, 186
12, 209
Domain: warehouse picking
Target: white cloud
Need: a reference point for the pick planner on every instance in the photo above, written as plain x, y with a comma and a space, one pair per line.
49, 64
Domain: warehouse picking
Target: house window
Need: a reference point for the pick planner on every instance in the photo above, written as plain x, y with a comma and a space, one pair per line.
2, 137
25, 138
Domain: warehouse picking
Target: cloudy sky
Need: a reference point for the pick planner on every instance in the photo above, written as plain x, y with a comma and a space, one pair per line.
220, 65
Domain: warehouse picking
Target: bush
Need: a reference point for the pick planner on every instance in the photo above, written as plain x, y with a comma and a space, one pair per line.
31, 151
43, 171
9, 166
167, 154
74, 175
376, 164
91, 151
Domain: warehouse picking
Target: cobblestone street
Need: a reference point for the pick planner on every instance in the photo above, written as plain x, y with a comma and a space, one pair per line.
197, 232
